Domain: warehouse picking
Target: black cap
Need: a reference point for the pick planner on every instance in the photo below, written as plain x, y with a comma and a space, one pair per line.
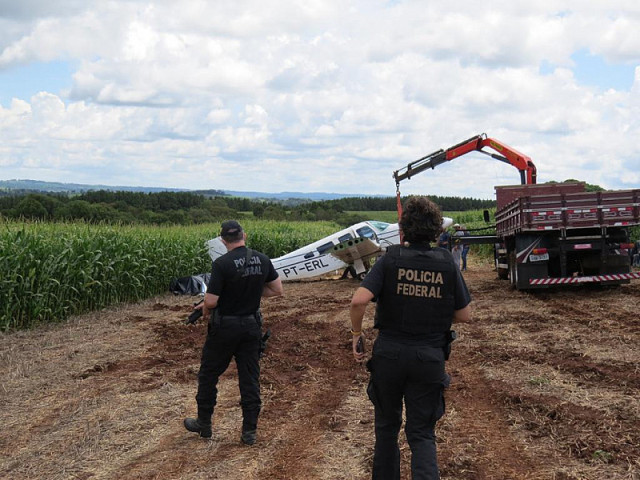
230, 228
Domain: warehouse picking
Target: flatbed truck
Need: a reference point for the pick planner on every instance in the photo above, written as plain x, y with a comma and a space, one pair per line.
548, 234
560, 234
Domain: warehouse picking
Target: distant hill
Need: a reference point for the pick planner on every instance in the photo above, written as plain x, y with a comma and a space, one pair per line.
25, 186
314, 196
58, 187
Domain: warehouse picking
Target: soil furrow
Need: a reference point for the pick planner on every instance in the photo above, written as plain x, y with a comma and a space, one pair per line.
545, 386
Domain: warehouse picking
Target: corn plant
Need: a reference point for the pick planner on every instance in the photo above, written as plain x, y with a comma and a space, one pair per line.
51, 271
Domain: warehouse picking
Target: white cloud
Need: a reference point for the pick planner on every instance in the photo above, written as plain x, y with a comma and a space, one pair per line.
320, 95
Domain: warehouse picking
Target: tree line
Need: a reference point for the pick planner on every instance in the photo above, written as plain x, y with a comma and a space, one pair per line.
449, 204
187, 208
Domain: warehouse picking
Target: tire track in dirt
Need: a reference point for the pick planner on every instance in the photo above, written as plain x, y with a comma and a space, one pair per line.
309, 374
617, 375
104, 396
582, 430
476, 441
479, 441
515, 334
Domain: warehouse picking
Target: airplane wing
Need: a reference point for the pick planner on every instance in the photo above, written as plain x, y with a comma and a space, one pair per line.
355, 251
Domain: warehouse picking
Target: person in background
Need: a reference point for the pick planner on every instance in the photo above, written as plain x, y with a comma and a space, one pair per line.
636, 254
457, 247
419, 292
465, 249
239, 280
444, 239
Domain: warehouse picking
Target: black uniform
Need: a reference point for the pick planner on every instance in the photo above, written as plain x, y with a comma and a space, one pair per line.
235, 330
417, 289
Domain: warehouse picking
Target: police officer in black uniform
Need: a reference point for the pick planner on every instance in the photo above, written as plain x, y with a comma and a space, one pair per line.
239, 279
419, 292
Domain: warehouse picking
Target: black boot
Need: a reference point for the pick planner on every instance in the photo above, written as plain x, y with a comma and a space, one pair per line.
248, 437
249, 425
198, 425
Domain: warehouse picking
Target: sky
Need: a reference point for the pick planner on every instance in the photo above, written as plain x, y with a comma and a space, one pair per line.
317, 95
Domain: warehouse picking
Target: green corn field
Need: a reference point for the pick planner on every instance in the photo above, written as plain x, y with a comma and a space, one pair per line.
50, 271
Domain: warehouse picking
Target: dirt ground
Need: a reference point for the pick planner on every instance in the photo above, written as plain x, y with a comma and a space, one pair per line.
544, 386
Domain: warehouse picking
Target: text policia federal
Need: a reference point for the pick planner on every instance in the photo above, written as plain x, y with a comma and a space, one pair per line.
423, 283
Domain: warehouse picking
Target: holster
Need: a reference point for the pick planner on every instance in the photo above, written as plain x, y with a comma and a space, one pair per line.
451, 336
263, 342
214, 322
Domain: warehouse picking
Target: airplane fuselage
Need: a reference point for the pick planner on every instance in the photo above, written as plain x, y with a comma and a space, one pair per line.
357, 244
316, 259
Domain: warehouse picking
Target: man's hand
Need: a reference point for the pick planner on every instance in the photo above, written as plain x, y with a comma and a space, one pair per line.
359, 302
357, 345
198, 310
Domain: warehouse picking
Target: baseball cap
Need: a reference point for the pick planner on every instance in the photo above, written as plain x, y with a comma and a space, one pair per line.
230, 228
456, 225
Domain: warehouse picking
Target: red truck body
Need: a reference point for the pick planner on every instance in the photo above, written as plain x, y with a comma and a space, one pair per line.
563, 206
554, 234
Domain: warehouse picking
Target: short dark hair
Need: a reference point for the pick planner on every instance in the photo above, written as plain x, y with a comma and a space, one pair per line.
231, 231
421, 220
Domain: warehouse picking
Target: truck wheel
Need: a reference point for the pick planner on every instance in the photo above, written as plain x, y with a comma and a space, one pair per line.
502, 266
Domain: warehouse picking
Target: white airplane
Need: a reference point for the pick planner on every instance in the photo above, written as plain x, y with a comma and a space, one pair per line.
353, 246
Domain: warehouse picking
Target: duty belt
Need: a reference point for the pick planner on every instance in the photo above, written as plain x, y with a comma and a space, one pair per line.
217, 319
250, 316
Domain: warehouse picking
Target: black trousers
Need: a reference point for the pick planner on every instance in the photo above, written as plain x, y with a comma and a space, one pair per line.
239, 338
413, 374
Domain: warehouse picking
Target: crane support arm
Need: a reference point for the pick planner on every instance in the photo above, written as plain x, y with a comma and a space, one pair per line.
505, 154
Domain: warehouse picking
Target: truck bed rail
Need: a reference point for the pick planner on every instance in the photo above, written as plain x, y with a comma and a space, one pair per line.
616, 208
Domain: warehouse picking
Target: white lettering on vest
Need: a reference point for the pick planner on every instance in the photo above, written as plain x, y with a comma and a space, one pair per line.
252, 261
419, 283
420, 276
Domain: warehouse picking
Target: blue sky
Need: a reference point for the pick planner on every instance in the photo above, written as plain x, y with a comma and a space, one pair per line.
24, 81
594, 70
323, 96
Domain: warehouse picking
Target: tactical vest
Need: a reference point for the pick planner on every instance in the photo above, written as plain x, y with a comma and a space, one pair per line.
418, 292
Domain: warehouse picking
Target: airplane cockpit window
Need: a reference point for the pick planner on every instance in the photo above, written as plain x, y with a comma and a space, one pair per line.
324, 247
380, 226
345, 237
366, 232
309, 255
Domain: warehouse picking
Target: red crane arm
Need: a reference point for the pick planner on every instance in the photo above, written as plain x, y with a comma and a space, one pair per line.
519, 160
506, 154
